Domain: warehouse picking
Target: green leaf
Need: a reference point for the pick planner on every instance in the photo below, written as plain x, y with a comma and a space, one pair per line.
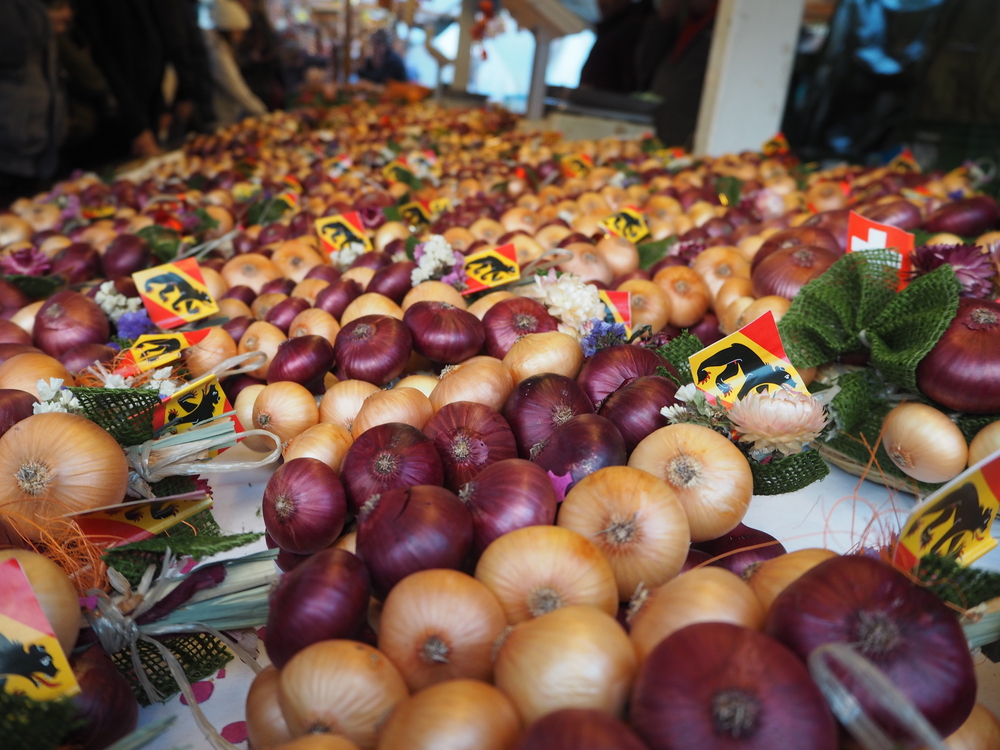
163, 242
36, 287
730, 187
404, 199
652, 252
266, 211
411, 246
391, 213
393, 146
205, 222
651, 145
197, 181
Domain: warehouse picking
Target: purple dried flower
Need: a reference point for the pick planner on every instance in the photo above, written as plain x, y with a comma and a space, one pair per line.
974, 268
132, 325
371, 217
27, 261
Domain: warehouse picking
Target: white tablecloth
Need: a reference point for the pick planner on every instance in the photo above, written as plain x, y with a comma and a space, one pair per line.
841, 513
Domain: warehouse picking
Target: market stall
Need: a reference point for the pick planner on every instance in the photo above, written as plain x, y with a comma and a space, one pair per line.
528, 423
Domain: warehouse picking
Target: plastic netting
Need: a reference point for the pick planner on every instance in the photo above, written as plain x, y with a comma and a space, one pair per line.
676, 352
971, 424
200, 655
859, 395
126, 413
962, 586
27, 724
788, 474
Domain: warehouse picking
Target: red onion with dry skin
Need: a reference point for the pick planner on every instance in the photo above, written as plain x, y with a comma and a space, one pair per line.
15, 405
304, 360
68, 319
335, 298
442, 332
786, 271
510, 319
393, 281
609, 369
635, 407
581, 446
105, 704
579, 729
304, 506
966, 218
732, 549
469, 437
539, 404
373, 348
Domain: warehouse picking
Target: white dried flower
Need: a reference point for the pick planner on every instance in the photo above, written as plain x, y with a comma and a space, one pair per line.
114, 304
53, 397
783, 421
160, 380
676, 413
116, 381
437, 257
348, 254
687, 392
570, 300
48, 390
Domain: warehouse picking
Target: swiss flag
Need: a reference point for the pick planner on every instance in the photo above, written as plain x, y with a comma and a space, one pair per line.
864, 234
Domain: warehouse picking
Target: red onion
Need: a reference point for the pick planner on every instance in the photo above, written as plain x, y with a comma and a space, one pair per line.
12, 350
68, 319
244, 294
393, 280
373, 260
574, 237
373, 348
244, 243
283, 313
236, 327
835, 222
410, 529
303, 224
272, 233
323, 598
694, 559
278, 286
12, 298
83, 356
77, 262
302, 359
386, 457
581, 446
737, 541
610, 368
232, 386
105, 705
304, 506
510, 319
442, 332
506, 496
335, 298
324, 272
794, 238
717, 686
902, 628
635, 407
15, 405
579, 729
962, 371
469, 437
126, 254
707, 330
539, 404
11, 333
784, 272
901, 214
967, 217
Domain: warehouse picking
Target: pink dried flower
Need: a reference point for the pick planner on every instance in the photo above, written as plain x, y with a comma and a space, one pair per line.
973, 267
27, 261
782, 421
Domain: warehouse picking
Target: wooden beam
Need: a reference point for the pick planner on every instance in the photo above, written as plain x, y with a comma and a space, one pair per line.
750, 63
536, 92
463, 59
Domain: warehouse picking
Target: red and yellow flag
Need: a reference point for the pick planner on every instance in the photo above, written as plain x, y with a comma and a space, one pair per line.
492, 267
628, 223
198, 401
576, 165
175, 293
752, 359
618, 306
337, 232
778, 145
154, 350
132, 522
32, 662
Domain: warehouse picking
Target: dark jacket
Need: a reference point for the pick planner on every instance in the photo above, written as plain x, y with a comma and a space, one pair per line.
31, 105
392, 69
127, 46
184, 48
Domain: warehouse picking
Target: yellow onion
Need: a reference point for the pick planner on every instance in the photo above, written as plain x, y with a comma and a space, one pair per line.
25, 317
266, 727
985, 443
537, 353
261, 336
439, 625
266, 302
706, 594
769, 578
361, 274
733, 289
709, 474
250, 269
243, 406
481, 306
214, 282
923, 443
650, 306
57, 463
314, 322
233, 308
340, 687
482, 380
285, 408
370, 303
54, 591
309, 289
719, 264
538, 569
433, 291
981, 731
23, 371
210, 352
575, 657
295, 258
635, 520
342, 402
453, 715
688, 293
423, 383
325, 442
406, 405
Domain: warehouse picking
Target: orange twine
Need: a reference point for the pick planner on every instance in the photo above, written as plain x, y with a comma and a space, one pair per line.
62, 541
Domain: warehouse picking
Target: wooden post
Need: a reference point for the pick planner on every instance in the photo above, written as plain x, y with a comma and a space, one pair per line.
750, 63
348, 34
463, 59
536, 92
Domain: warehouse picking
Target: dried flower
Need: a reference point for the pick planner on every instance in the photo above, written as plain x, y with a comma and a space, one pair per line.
54, 397
114, 304
435, 258
348, 254
28, 261
567, 298
782, 421
132, 325
974, 268
602, 335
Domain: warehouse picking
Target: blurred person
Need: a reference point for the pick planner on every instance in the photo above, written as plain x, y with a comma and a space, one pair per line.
609, 66
32, 110
128, 48
384, 64
231, 98
258, 56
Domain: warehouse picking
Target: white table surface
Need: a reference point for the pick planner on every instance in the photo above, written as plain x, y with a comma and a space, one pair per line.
841, 513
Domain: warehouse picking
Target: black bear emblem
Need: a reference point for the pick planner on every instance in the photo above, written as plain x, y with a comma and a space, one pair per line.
968, 520
188, 300
33, 663
195, 409
739, 358
489, 268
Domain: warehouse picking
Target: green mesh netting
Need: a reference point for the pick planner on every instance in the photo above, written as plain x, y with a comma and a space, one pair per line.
855, 304
26, 724
963, 587
676, 352
857, 398
912, 323
971, 424
126, 413
199, 537
787, 474
200, 655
